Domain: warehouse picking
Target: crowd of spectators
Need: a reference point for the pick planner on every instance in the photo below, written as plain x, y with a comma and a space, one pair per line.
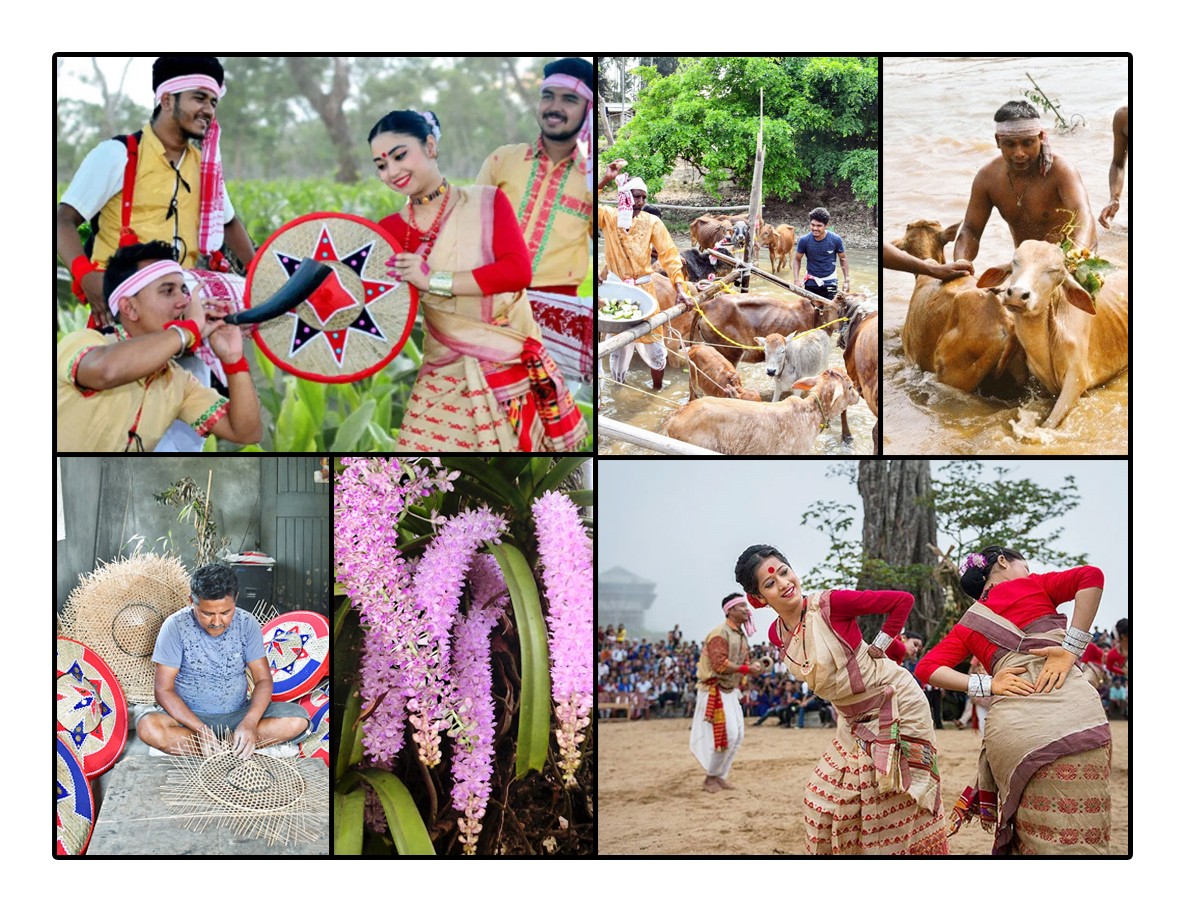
658, 679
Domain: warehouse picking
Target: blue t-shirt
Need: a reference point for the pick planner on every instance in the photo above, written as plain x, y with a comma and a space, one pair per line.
822, 255
212, 670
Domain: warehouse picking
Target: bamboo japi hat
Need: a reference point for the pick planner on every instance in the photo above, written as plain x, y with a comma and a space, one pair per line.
117, 610
74, 807
356, 322
91, 713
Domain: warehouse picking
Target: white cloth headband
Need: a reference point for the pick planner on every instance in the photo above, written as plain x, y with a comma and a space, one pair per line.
571, 83
189, 83
143, 278
635, 184
1019, 127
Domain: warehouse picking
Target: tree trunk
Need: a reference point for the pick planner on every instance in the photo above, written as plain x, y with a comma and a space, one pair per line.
899, 526
329, 106
602, 110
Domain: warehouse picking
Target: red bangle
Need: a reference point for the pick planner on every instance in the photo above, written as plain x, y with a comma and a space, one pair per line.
189, 326
744, 669
81, 266
234, 367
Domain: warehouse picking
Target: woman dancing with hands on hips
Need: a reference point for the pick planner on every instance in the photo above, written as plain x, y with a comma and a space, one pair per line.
1044, 766
487, 382
876, 790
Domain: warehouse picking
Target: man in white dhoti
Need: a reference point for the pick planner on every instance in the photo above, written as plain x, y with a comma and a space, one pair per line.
718, 725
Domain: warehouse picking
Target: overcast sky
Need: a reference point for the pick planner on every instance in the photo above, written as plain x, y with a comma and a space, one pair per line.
683, 523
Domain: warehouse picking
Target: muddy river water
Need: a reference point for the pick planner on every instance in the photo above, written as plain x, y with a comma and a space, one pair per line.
636, 404
937, 133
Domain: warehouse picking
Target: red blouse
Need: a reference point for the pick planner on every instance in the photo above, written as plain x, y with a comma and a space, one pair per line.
846, 606
1021, 601
1115, 661
512, 270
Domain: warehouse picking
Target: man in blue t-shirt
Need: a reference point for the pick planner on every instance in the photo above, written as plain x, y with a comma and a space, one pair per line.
201, 657
824, 250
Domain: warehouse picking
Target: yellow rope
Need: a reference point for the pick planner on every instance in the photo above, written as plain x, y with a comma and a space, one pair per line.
734, 343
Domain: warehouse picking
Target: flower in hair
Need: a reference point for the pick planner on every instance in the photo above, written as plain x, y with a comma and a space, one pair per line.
973, 561
433, 125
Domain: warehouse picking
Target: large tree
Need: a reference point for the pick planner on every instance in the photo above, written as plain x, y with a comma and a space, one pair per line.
820, 123
917, 527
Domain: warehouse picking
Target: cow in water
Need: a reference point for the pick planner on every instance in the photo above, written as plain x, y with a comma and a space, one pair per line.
1072, 340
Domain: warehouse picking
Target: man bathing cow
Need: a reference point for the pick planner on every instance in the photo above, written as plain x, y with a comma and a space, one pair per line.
1037, 192
975, 334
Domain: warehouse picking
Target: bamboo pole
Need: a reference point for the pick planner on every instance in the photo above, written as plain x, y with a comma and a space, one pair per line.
640, 330
775, 279
648, 439
755, 197
643, 328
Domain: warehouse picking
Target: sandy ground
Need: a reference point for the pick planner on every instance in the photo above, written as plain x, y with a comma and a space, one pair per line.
651, 801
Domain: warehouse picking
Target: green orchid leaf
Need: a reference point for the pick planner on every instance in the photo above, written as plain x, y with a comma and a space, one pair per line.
404, 821
533, 723
348, 812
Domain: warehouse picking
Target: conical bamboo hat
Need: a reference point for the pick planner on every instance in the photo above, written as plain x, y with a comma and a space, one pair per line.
117, 610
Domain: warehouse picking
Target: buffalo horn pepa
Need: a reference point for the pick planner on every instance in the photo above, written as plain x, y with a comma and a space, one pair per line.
309, 276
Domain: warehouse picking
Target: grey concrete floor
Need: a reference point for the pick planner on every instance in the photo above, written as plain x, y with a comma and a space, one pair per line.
131, 818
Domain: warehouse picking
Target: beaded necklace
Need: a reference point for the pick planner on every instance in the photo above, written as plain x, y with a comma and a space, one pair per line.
423, 241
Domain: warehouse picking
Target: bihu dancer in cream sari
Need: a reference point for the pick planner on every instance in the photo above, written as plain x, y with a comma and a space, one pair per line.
487, 382
1044, 766
876, 790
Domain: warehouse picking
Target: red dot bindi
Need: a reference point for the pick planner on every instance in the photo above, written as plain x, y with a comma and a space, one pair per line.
770, 570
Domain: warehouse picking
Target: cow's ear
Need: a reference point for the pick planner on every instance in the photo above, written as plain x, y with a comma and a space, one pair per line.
947, 234
804, 384
1078, 296
791, 337
760, 342
995, 276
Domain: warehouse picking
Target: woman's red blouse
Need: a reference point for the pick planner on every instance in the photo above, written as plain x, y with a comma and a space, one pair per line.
1021, 601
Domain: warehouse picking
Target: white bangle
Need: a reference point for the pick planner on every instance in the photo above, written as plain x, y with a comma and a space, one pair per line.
979, 685
1076, 640
185, 339
882, 641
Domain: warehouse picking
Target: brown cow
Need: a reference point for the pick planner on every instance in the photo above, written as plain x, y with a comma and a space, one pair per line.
712, 375
740, 318
779, 241
862, 363
787, 428
708, 231
954, 328
1072, 341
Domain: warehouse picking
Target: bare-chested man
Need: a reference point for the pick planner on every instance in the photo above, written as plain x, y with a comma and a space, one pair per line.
1116, 171
1038, 193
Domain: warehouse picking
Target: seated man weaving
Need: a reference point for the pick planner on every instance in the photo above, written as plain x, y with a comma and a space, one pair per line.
200, 659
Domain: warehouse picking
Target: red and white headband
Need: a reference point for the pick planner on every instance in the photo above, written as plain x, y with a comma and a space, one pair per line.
143, 278
749, 626
570, 82
189, 83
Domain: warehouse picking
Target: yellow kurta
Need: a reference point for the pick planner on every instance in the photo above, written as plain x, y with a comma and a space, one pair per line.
627, 253
99, 421
153, 189
552, 206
